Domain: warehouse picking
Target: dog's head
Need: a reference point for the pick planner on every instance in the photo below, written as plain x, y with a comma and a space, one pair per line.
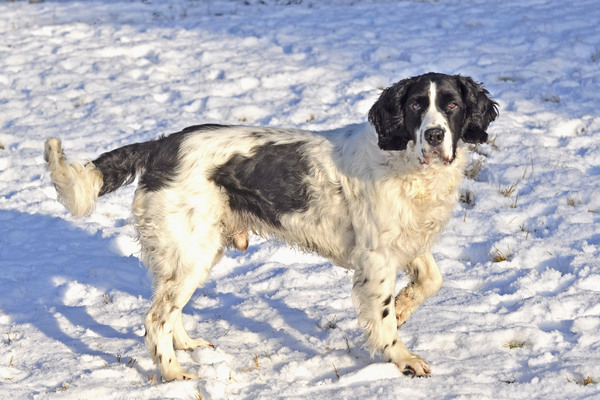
434, 111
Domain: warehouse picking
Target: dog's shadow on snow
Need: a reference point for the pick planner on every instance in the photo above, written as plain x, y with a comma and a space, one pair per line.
58, 277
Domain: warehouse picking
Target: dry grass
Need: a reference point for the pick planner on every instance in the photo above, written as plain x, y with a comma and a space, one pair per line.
500, 256
516, 344
583, 381
331, 325
527, 231
10, 339
336, 371
508, 190
64, 387
468, 198
198, 394
473, 169
252, 366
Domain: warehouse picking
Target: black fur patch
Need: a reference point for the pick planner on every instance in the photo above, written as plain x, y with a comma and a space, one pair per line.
156, 160
205, 127
162, 163
385, 313
120, 166
268, 183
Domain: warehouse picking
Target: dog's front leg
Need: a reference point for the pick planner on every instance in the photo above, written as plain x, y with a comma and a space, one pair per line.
373, 294
426, 281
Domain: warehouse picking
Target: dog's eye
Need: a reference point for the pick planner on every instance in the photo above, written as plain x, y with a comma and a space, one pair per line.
415, 106
452, 106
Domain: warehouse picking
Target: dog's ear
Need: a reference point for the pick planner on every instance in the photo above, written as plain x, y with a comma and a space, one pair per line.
481, 110
387, 116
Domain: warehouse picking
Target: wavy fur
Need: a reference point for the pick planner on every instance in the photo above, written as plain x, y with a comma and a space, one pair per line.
370, 197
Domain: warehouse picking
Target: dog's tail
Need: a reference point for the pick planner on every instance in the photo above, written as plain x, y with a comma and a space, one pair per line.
78, 185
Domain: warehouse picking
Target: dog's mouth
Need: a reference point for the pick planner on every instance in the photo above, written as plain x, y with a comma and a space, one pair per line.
435, 156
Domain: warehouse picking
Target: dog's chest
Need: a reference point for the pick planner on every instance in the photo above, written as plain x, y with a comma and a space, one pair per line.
414, 209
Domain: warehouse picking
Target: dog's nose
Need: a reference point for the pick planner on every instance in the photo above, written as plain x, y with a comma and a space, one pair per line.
434, 136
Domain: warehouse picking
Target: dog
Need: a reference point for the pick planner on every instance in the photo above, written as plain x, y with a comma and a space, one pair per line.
370, 197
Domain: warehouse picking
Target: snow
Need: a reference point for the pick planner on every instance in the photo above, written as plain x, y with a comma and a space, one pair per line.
519, 313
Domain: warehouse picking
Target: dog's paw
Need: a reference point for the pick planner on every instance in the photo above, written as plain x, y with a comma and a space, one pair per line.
402, 316
404, 306
192, 344
414, 366
179, 375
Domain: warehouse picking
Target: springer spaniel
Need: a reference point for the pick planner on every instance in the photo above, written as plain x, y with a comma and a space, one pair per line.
370, 197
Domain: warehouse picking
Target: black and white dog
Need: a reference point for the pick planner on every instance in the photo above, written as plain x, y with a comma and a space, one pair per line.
371, 197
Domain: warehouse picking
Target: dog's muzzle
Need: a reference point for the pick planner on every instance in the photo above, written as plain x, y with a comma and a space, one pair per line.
435, 148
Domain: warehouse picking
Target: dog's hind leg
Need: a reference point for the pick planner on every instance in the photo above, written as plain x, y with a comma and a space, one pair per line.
172, 292
426, 281
182, 340
180, 248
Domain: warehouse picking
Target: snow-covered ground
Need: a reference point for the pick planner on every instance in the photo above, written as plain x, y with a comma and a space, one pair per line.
518, 316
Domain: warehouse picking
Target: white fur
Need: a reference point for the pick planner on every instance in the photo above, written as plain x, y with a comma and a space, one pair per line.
434, 118
373, 211
77, 184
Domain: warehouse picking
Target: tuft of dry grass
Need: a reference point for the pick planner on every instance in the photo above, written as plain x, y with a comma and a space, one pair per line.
573, 202
516, 344
252, 366
331, 325
10, 339
500, 256
583, 381
527, 231
473, 169
64, 387
467, 198
507, 191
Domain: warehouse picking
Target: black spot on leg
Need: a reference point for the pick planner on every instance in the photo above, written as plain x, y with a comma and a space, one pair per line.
394, 342
363, 283
170, 360
387, 301
385, 313
155, 349
160, 358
